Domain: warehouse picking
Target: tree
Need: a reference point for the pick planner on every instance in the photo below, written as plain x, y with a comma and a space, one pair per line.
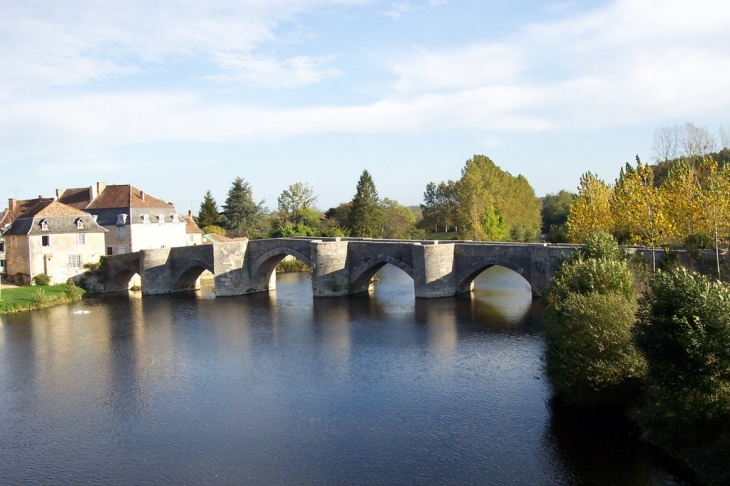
715, 202
440, 206
724, 138
591, 210
399, 222
554, 213
667, 143
494, 205
683, 331
681, 194
208, 215
241, 216
296, 204
638, 207
366, 215
589, 314
698, 141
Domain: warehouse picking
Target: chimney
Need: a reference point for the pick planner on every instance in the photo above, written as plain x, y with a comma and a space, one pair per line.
59, 192
100, 186
94, 191
11, 203
141, 195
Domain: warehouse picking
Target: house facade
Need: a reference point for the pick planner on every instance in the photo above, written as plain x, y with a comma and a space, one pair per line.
133, 219
52, 238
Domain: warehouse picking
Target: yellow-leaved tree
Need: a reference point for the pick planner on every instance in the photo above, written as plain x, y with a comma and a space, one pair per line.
681, 194
591, 211
639, 208
715, 202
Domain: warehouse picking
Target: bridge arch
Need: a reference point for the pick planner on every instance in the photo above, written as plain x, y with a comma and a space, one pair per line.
362, 274
120, 277
187, 276
465, 279
264, 267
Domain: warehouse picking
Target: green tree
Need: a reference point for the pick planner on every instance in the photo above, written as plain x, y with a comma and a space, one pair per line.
589, 314
366, 215
554, 213
296, 204
683, 331
399, 222
208, 215
715, 202
440, 206
241, 215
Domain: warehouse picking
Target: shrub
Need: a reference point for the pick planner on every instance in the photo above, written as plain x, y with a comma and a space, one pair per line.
40, 298
42, 280
684, 331
590, 310
19, 279
72, 292
589, 354
213, 229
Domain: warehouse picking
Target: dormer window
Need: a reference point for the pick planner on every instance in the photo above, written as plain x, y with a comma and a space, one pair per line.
160, 218
145, 218
175, 218
79, 223
44, 225
121, 219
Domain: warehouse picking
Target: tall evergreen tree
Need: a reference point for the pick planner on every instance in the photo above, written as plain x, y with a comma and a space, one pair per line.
366, 216
208, 214
241, 215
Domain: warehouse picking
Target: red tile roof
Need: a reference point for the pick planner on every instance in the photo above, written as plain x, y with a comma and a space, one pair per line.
125, 196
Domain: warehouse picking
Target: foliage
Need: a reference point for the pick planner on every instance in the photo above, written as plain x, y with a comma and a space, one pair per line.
41, 280
291, 266
684, 331
289, 230
554, 214
208, 215
494, 205
440, 206
241, 216
399, 222
213, 229
72, 291
19, 279
591, 210
366, 215
296, 204
590, 310
715, 202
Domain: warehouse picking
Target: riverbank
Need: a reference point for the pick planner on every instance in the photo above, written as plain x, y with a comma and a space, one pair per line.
18, 299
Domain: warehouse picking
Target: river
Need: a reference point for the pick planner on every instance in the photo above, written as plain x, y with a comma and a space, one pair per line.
282, 388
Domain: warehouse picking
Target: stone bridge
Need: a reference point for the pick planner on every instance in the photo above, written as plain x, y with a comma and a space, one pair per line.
340, 266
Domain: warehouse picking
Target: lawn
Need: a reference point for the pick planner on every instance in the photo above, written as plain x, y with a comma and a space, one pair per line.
35, 297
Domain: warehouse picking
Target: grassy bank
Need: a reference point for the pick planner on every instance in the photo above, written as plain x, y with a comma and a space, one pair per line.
36, 297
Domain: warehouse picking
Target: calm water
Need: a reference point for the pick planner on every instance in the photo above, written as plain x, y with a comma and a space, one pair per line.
282, 388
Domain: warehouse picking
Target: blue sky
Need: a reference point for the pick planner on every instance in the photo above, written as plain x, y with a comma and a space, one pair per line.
179, 97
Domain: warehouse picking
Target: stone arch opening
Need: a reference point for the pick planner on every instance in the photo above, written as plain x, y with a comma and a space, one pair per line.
263, 270
362, 276
465, 281
124, 279
189, 277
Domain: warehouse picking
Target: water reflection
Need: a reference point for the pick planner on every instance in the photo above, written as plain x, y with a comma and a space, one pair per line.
283, 388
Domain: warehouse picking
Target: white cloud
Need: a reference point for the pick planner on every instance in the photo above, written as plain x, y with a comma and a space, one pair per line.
271, 72
80, 41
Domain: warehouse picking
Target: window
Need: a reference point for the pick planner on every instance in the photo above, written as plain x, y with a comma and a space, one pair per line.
44, 225
81, 239
109, 250
45, 241
2, 263
2, 246
175, 218
122, 219
160, 218
120, 232
79, 224
145, 218
74, 261
121, 250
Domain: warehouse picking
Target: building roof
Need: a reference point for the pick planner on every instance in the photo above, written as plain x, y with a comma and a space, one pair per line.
112, 196
58, 217
191, 227
18, 207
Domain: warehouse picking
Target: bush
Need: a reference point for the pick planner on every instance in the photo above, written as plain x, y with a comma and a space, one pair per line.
72, 292
40, 298
589, 353
590, 310
684, 331
42, 280
19, 279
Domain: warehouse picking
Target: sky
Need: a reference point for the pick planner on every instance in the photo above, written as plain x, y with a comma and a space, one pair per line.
178, 97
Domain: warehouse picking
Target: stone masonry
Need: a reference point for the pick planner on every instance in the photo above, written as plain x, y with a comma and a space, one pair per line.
340, 266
